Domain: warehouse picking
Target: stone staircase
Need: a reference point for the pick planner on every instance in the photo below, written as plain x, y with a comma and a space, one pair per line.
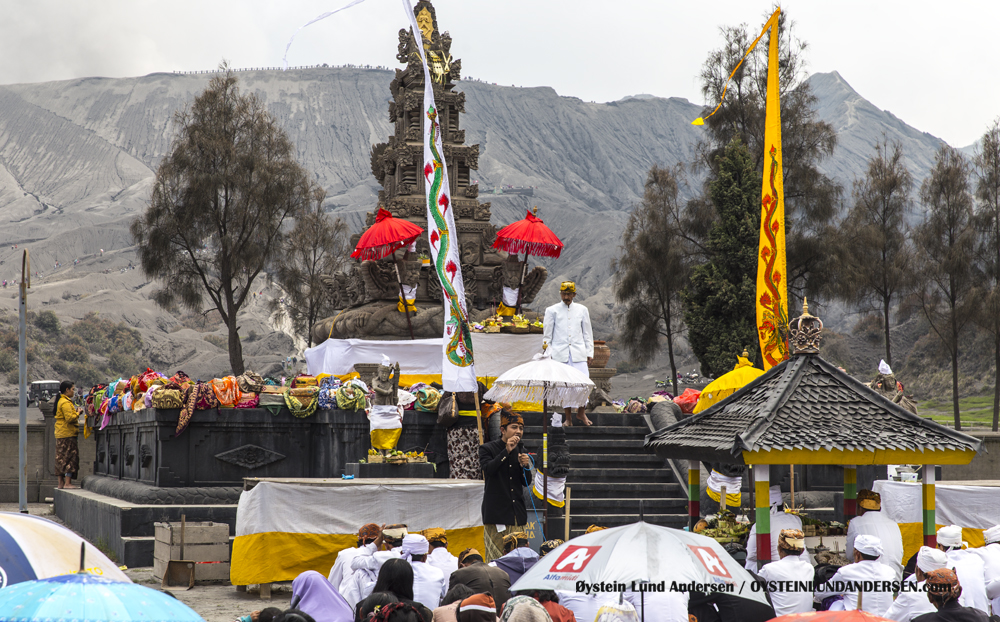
610, 473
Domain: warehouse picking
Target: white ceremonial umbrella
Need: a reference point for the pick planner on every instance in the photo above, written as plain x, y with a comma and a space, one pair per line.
543, 380
622, 558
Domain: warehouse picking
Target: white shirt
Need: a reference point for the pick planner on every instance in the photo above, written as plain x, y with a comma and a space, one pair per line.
584, 606
358, 585
910, 604
779, 521
881, 526
876, 602
444, 561
990, 554
971, 573
567, 330
663, 606
429, 585
342, 564
784, 598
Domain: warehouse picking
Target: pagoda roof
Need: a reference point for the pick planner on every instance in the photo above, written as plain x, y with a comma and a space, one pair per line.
807, 411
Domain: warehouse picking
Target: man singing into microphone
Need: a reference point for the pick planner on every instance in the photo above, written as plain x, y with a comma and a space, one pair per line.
504, 467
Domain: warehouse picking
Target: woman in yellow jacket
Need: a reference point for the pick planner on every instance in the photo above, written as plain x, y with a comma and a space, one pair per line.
67, 430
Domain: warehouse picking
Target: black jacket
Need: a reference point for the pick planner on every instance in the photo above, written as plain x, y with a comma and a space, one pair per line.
953, 612
483, 578
503, 496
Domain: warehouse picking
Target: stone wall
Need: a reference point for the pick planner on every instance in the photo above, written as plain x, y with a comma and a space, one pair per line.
986, 464
41, 455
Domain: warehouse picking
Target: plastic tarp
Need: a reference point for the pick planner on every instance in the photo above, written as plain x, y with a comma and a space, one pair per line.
283, 530
495, 353
973, 508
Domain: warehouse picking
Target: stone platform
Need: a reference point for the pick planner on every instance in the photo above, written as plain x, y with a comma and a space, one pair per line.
126, 528
221, 447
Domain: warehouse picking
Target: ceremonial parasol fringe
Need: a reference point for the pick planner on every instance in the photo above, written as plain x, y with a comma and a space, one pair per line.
555, 393
532, 248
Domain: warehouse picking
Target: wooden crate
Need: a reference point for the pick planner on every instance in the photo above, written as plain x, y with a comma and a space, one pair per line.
205, 543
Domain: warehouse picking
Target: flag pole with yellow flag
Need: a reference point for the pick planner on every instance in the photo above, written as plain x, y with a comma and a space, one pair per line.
772, 289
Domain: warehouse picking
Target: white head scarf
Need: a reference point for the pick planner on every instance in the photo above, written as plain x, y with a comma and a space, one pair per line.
992, 534
414, 544
931, 559
950, 537
869, 545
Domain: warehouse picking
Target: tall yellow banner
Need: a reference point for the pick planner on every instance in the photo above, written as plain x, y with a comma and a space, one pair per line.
772, 296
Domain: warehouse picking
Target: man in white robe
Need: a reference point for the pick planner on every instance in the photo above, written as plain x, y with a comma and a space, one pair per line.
429, 583
439, 557
789, 569
990, 554
342, 566
912, 599
568, 337
969, 568
870, 520
779, 520
358, 585
866, 567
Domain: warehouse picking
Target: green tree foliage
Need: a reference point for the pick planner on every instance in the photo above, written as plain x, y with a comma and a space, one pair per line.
651, 269
986, 167
946, 243
875, 252
318, 245
218, 204
811, 198
719, 301
47, 321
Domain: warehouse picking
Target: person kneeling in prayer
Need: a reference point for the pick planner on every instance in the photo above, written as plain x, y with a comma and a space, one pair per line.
866, 567
912, 600
944, 591
789, 567
518, 556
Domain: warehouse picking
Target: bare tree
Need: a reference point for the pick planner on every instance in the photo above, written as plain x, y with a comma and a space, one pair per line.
946, 243
317, 245
875, 250
986, 167
220, 197
652, 270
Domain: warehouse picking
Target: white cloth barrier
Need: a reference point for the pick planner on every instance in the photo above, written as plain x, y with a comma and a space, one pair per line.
495, 353
976, 507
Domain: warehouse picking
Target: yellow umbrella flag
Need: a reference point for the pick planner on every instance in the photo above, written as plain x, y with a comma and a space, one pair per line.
728, 383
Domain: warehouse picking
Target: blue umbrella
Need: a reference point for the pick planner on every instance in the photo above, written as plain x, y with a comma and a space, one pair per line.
83, 597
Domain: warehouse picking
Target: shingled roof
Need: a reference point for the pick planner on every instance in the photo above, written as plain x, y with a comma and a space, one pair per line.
807, 411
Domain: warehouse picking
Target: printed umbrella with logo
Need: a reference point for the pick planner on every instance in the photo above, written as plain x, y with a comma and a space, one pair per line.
32, 547
832, 616
642, 553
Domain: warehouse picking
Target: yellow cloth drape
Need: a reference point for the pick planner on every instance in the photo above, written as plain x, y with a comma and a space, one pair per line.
409, 304
504, 310
733, 499
772, 296
385, 439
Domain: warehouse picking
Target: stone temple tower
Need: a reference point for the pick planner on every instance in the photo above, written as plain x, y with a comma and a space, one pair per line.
366, 294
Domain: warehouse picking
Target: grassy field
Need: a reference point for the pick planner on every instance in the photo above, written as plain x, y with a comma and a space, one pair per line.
975, 411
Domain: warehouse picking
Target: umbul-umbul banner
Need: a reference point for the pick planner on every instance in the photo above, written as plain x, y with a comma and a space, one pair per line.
457, 370
772, 288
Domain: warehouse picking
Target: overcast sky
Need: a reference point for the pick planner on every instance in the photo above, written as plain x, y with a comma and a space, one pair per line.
930, 64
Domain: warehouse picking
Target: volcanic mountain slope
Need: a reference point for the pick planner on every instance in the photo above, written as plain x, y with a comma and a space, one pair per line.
77, 160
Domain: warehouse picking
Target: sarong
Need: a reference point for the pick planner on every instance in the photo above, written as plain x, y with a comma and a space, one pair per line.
463, 453
67, 456
493, 540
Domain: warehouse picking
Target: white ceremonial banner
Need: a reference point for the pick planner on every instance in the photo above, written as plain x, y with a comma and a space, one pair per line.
498, 352
974, 507
342, 509
457, 371
284, 59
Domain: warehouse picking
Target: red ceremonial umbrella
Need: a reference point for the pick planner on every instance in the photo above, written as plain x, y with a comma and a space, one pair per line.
531, 237
385, 237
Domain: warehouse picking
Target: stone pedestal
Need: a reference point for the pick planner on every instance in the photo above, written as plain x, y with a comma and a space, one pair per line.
411, 470
600, 398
